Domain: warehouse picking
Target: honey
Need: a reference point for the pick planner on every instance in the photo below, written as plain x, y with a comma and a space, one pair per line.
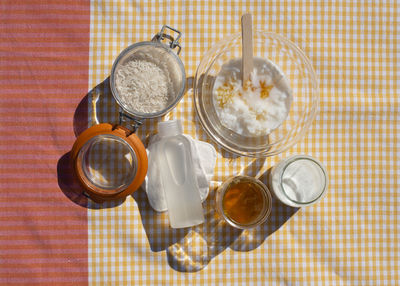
244, 202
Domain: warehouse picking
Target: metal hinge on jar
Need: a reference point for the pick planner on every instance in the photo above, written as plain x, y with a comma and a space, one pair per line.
160, 36
133, 122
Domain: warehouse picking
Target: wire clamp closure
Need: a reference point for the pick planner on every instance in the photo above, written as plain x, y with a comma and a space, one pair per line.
160, 36
133, 122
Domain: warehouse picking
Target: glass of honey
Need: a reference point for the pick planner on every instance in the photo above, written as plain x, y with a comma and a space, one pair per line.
244, 202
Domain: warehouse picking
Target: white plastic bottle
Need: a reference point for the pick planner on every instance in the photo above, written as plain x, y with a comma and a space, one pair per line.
178, 178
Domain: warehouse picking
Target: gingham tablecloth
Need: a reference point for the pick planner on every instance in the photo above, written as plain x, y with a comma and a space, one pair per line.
54, 53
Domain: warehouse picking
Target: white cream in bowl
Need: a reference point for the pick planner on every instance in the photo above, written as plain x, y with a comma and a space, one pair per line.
259, 107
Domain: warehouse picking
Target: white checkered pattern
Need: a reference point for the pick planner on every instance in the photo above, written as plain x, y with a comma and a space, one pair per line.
352, 236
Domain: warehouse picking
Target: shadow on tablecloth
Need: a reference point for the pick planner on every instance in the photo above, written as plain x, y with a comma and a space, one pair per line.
72, 189
202, 243
156, 225
280, 214
67, 181
104, 109
188, 249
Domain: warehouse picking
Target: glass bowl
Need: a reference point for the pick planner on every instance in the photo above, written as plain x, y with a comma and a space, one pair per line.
286, 57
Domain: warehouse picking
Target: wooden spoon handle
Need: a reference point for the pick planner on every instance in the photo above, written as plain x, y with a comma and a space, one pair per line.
247, 48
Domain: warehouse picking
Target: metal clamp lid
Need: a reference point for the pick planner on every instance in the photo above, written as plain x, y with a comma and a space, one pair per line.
123, 117
173, 42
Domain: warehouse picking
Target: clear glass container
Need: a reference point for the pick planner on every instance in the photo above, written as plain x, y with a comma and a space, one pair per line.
243, 202
108, 163
299, 180
289, 59
163, 56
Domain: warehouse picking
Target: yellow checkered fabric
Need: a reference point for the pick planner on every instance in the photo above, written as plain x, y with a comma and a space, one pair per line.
351, 237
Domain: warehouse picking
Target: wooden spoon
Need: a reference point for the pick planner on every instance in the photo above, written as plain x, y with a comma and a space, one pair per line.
247, 48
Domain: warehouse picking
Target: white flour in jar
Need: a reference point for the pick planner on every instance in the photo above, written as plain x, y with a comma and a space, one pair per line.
142, 86
257, 109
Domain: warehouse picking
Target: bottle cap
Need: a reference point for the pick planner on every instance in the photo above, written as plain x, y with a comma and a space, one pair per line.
169, 128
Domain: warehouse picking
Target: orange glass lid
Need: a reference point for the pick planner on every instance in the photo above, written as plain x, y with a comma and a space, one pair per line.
109, 161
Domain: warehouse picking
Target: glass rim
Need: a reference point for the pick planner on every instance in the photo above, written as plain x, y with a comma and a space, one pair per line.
265, 191
316, 162
98, 138
116, 94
